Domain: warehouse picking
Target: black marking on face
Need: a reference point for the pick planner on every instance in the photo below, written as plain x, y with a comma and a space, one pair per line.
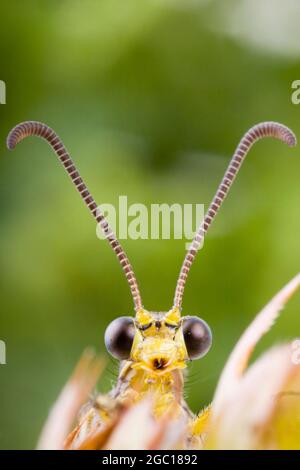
172, 327
159, 363
145, 327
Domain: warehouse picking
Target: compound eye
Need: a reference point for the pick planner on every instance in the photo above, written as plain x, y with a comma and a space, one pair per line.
197, 336
119, 336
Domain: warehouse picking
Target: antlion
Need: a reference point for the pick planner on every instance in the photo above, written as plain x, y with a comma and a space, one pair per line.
153, 347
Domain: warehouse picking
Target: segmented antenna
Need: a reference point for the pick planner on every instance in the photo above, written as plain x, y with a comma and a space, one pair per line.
264, 129
28, 128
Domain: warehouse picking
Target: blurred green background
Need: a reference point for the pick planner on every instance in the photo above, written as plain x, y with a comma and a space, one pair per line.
151, 98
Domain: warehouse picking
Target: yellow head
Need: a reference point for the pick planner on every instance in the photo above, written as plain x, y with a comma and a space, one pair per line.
158, 342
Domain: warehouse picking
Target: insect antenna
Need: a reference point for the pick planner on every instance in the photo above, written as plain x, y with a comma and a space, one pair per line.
30, 128
264, 129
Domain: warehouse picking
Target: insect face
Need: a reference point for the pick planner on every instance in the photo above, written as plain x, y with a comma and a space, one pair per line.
158, 346
158, 342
